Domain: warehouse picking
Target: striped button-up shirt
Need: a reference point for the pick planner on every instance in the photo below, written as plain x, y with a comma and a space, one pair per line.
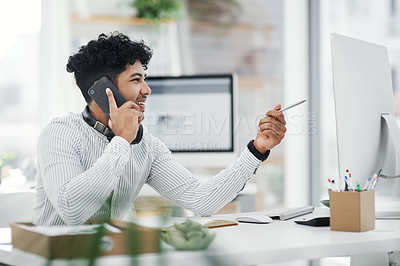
81, 175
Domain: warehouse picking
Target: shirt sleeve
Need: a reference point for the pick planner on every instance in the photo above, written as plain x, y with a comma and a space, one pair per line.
175, 182
77, 193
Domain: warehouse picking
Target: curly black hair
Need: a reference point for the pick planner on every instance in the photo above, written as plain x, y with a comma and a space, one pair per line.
109, 55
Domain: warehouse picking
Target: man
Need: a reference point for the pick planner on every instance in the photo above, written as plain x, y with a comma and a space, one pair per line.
87, 171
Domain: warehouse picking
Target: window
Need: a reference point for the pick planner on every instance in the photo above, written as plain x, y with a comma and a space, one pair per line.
20, 24
245, 37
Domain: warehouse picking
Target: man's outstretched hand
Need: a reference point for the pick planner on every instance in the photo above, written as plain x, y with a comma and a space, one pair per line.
271, 130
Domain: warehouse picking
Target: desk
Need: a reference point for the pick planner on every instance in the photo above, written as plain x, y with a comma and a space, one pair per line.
255, 243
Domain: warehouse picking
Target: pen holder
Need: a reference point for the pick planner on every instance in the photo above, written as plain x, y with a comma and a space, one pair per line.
352, 211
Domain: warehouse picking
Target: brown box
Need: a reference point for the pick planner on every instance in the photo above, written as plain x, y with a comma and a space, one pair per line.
352, 211
140, 239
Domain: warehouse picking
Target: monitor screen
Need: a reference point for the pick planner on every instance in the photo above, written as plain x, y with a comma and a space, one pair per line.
192, 113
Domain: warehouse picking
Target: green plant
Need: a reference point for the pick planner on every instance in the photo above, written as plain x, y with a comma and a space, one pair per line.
157, 10
5, 157
189, 235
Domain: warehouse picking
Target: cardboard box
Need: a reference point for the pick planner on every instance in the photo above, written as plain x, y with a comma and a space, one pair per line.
140, 239
352, 211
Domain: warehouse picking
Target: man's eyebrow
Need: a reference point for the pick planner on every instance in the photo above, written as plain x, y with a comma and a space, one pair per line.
137, 74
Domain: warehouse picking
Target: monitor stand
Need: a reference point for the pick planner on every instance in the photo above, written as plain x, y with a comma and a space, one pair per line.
391, 147
390, 209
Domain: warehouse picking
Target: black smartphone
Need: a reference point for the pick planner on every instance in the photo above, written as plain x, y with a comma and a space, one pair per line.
98, 93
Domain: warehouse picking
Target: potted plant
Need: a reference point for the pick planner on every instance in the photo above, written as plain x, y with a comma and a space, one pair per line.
157, 10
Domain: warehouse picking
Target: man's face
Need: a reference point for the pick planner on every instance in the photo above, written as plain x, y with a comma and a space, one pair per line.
132, 85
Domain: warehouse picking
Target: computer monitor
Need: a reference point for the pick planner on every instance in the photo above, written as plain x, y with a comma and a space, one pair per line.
194, 115
367, 133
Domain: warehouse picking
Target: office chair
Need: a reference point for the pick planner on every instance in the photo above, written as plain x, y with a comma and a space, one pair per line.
16, 207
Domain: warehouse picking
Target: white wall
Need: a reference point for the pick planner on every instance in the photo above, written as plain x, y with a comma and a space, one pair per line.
296, 72
58, 94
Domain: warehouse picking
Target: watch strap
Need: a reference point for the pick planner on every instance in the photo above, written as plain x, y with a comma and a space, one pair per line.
256, 153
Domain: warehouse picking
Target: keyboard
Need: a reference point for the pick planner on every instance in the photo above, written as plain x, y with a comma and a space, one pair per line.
389, 214
288, 213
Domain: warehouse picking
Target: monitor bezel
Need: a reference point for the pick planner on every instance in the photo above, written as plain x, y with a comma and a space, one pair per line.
233, 90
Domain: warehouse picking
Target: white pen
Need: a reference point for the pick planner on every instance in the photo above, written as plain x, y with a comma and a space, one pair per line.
331, 185
374, 182
367, 183
347, 181
291, 106
336, 186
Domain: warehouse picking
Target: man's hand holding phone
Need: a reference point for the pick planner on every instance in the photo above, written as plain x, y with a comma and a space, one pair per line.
124, 121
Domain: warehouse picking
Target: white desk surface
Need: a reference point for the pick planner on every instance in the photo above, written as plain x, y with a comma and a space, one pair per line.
278, 241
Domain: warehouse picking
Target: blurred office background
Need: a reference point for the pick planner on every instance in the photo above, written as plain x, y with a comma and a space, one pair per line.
202, 37
279, 49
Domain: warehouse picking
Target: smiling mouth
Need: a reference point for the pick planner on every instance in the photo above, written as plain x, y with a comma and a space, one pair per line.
141, 105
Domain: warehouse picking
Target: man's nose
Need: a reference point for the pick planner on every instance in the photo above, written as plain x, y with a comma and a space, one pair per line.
146, 89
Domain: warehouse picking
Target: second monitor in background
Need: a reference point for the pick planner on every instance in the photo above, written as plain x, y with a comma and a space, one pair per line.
194, 115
